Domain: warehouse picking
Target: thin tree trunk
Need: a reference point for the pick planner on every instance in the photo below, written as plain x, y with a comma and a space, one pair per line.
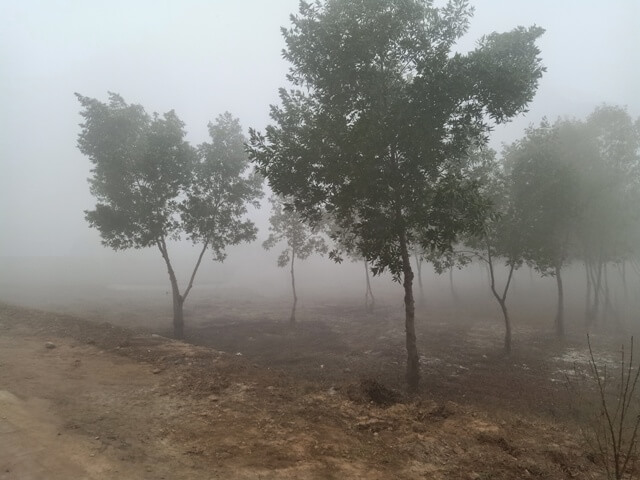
608, 304
413, 360
507, 327
292, 319
625, 291
369, 300
597, 289
178, 300
419, 270
195, 270
178, 316
623, 272
454, 295
502, 299
605, 295
587, 310
560, 313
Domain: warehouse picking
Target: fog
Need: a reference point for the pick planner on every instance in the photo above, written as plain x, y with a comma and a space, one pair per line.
203, 58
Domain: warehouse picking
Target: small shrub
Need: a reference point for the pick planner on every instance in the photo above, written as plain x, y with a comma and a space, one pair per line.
608, 405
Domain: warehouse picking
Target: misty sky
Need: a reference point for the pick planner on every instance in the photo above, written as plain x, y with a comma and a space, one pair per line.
204, 57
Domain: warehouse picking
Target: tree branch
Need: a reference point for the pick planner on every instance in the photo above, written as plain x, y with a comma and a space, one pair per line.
195, 270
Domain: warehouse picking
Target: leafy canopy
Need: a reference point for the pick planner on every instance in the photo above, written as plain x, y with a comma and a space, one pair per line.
382, 113
151, 185
574, 188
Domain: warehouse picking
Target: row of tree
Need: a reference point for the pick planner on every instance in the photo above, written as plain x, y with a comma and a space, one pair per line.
381, 136
566, 192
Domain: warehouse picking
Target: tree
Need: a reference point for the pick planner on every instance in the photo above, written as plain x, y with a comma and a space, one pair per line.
576, 187
500, 235
545, 169
608, 229
301, 239
381, 114
152, 186
419, 256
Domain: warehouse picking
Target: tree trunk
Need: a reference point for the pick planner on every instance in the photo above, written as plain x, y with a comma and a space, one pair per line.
502, 300
507, 327
587, 310
625, 291
454, 295
606, 308
419, 270
292, 319
560, 313
608, 305
597, 290
413, 360
178, 300
623, 273
178, 317
369, 301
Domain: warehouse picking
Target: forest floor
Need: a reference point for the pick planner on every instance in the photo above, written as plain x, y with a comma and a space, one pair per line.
250, 397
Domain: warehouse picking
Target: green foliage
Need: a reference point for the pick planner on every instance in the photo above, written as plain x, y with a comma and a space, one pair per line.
381, 117
151, 184
501, 235
288, 226
576, 187
544, 167
609, 226
141, 164
217, 197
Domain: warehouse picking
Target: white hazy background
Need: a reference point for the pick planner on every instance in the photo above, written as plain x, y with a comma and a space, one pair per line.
202, 58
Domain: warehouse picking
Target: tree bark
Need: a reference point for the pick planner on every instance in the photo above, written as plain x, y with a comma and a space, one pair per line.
419, 270
454, 295
178, 316
502, 300
413, 360
587, 310
623, 273
597, 289
507, 327
608, 304
625, 291
292, 319
178, 300
559, 323
369, 300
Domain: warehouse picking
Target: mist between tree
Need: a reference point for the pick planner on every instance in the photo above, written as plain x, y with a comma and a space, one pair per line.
130, 289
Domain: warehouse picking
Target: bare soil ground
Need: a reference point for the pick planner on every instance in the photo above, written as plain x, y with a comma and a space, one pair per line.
250, 397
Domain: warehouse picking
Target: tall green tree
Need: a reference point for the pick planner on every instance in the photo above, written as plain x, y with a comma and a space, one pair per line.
301, 239
151, 186
381, 112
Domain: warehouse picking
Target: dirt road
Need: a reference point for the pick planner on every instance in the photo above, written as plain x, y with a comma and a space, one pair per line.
77, 412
